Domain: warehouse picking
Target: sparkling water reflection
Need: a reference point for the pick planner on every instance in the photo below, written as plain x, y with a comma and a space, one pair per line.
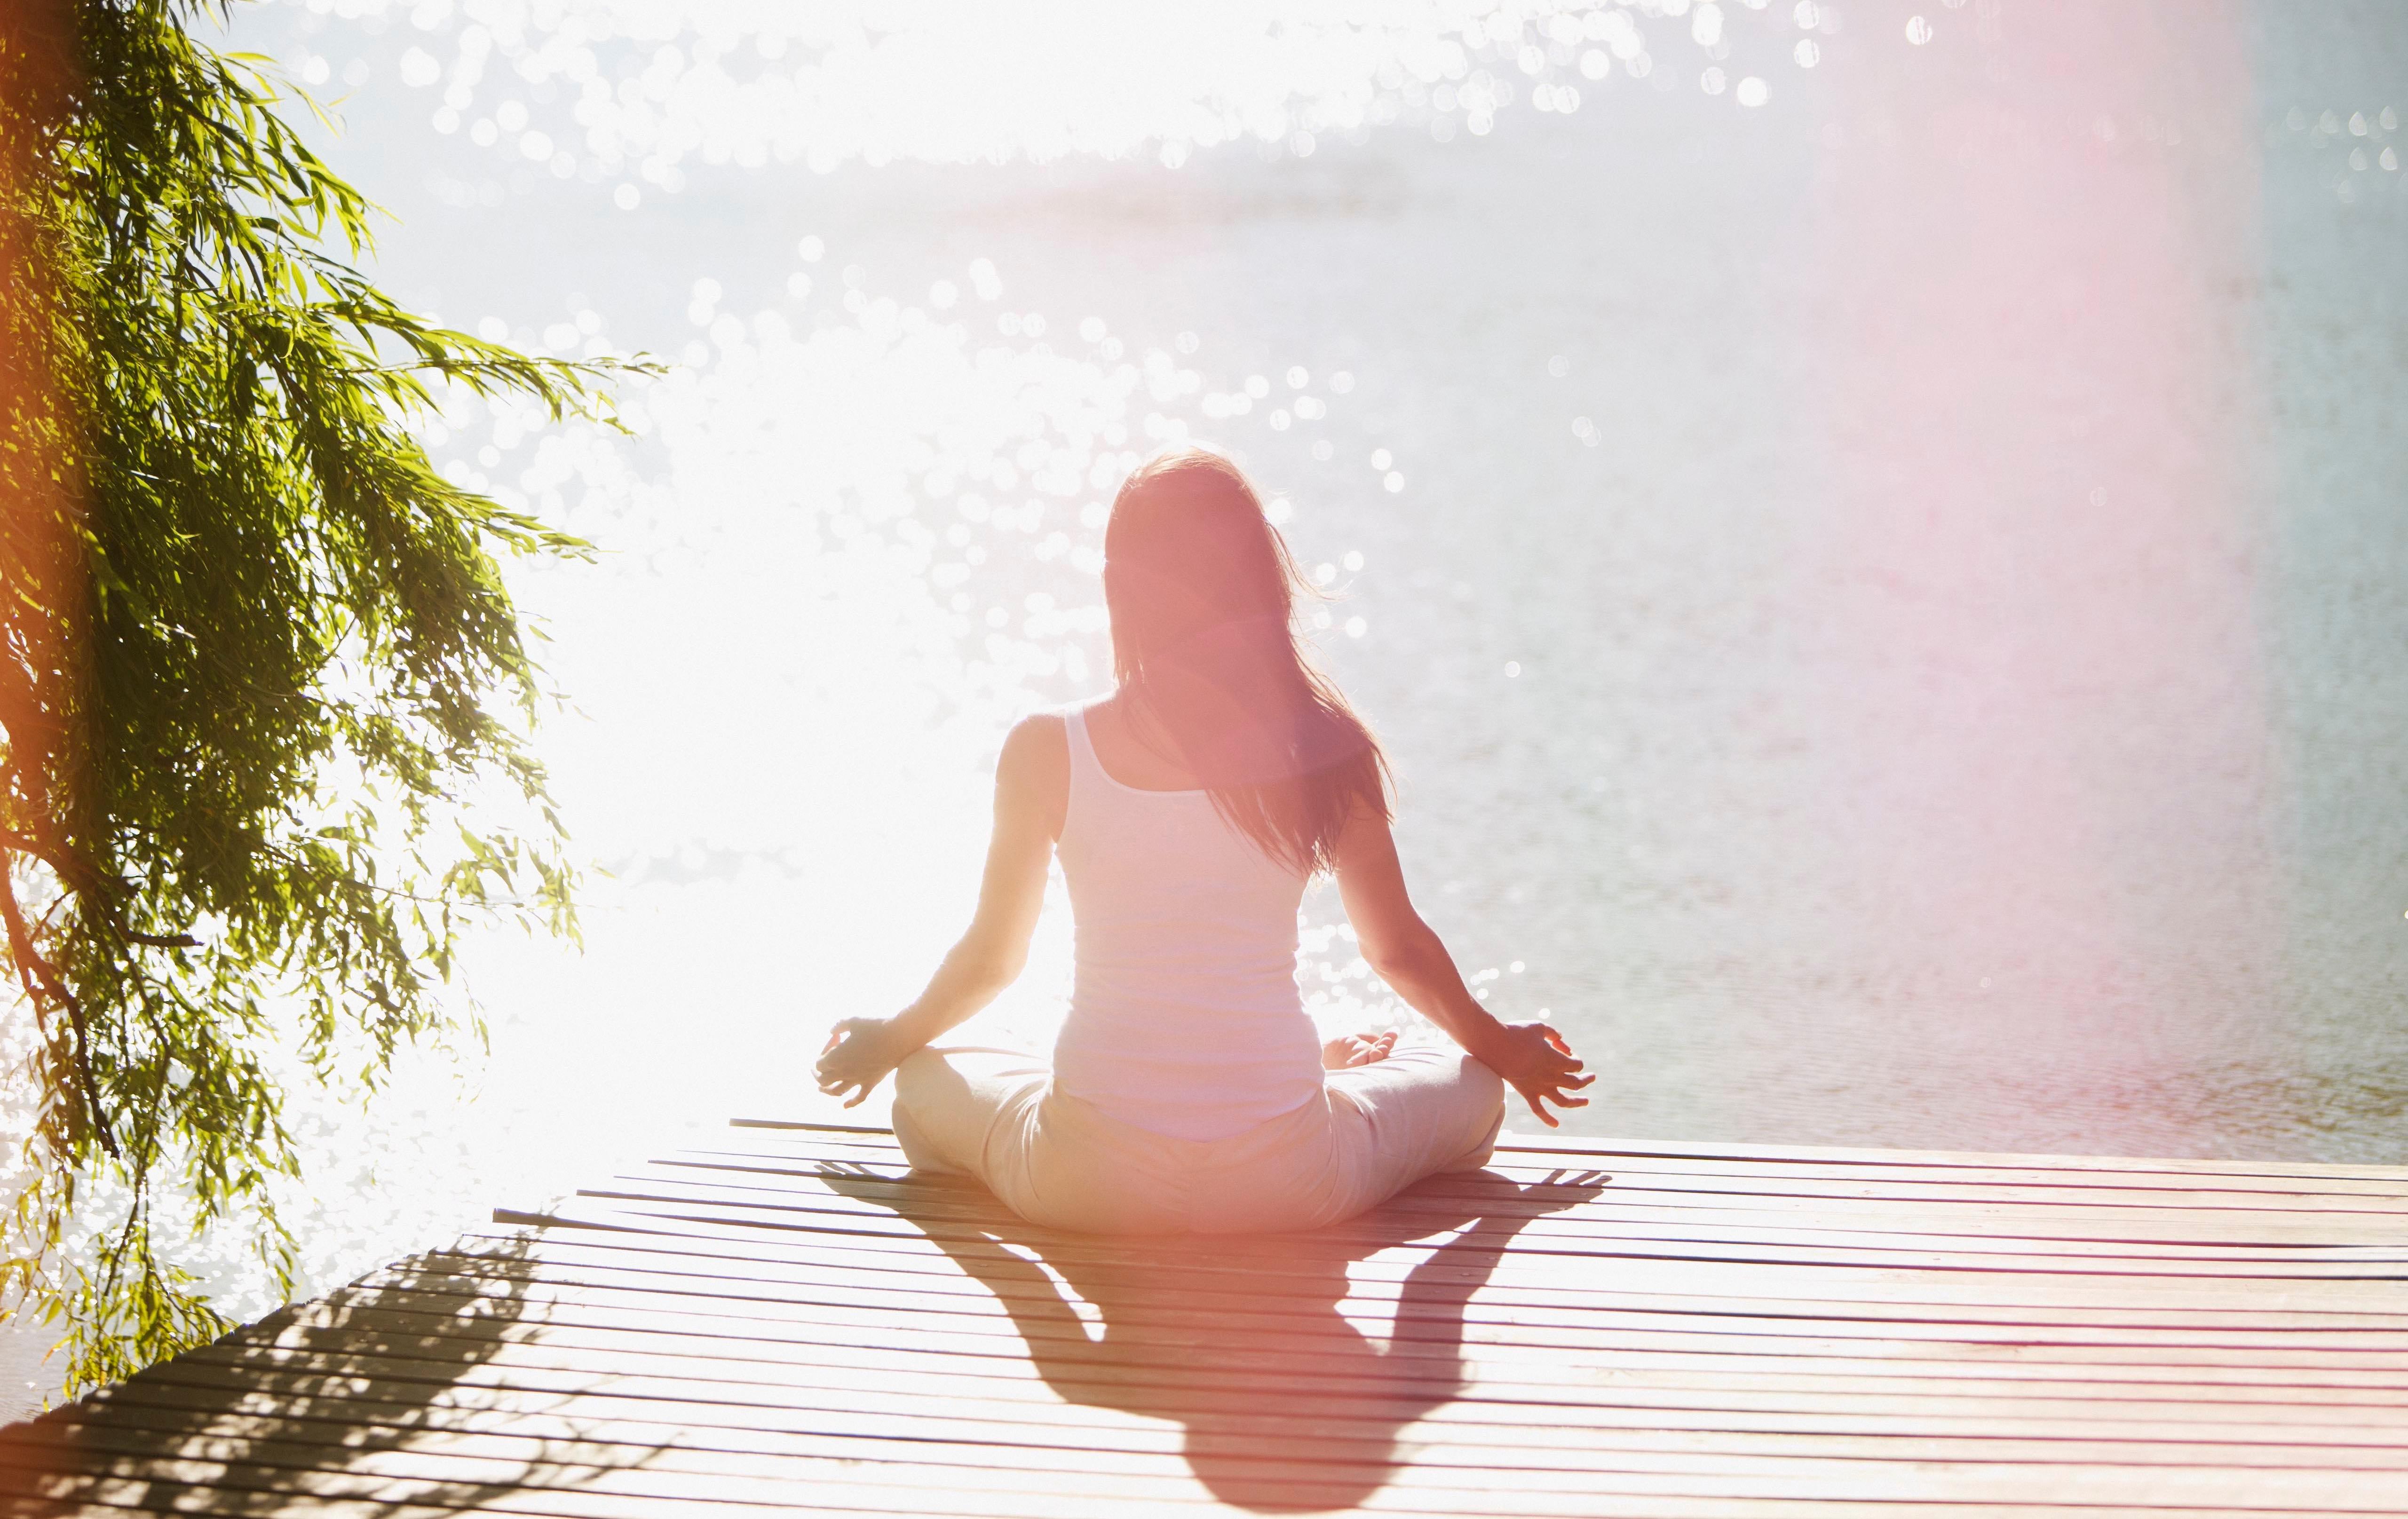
1871, 530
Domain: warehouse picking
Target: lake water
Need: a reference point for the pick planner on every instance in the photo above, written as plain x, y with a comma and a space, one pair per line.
1873, 533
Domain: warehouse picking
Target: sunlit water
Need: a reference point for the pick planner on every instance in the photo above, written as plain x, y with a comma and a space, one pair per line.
1872, 533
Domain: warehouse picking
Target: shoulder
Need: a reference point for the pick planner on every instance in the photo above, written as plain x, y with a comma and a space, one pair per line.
1035, 764
1039, 740
1365, 843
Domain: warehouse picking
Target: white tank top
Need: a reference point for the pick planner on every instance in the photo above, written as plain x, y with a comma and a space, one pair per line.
1184, 1019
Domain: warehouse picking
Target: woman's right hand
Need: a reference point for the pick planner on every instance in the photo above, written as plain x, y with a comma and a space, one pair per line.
1364, 1049
858, 1054
1535, 1061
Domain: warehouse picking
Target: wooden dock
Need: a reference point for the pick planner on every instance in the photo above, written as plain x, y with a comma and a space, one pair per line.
784, 1321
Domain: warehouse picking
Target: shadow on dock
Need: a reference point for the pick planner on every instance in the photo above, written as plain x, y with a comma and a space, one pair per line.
353, 1397
1287, 1403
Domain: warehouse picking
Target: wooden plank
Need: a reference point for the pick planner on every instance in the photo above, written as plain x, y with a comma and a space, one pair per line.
863, 1197
1410, 1315
176, 1498
1294, 1434
1666, 1182
2313, 1415
1127, 1304
945, 1474
1059, 1336
317, 1326
1729, 1182
1273, 1422
1618, 1209
1251, 1293
1516, 1142
1546, 1388
1135, 1471
2371, 1220
1508, 1278
2190, 1189
2216, 1228
1551, 1145
733, 1251
1599, 1380
1267, 1419
170, 1498
627, 1210
1908, 1179
160, 1496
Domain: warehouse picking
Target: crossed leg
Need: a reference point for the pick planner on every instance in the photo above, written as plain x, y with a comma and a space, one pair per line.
947, 1100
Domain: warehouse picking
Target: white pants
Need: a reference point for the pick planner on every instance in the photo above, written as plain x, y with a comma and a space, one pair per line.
1054, 1160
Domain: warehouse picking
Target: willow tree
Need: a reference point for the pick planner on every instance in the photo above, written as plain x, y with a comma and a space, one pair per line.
256, 651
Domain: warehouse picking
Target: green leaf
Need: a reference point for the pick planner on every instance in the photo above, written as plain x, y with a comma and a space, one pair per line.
232, 575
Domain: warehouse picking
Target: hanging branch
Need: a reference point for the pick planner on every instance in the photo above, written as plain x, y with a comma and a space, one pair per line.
45, 989
227, 571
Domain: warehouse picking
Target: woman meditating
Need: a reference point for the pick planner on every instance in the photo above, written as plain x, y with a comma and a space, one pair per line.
1188, 1089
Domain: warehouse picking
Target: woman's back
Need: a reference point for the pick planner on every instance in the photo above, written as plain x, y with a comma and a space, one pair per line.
1186, 1090
1184, 1018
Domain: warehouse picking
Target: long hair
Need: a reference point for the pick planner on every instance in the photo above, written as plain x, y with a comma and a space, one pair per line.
1201, 591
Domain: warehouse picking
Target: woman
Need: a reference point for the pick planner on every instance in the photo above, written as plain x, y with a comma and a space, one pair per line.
1188, 1089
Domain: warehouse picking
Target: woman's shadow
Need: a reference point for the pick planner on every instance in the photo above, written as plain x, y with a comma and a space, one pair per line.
1287, 1403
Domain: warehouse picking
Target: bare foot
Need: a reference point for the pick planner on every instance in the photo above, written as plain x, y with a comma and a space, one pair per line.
1358, 1049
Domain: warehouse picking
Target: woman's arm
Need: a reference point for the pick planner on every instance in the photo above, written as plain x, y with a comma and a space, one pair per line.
1032, 789
1532, 1057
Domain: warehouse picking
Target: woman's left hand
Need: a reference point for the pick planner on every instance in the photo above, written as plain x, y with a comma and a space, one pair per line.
859, 1053
1535, 1061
